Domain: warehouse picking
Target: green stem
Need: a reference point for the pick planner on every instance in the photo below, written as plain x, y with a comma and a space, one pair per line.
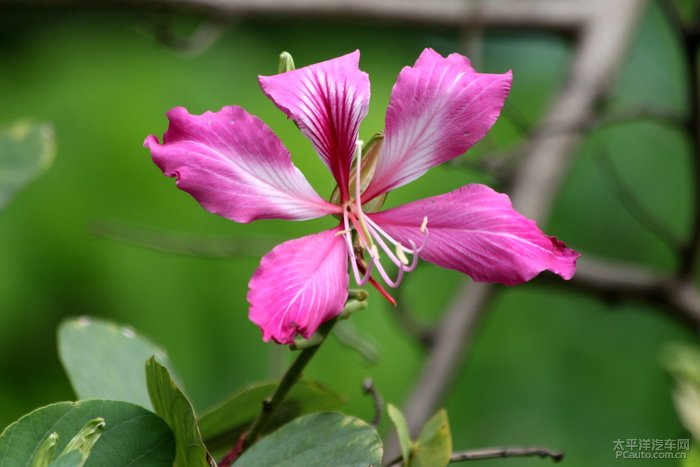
290, 378
356, 301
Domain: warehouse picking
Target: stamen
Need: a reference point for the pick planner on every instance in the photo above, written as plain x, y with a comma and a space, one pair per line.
351, 252
401, 255
368, 232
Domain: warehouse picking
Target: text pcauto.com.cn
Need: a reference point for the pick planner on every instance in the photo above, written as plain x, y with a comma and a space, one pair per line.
648, 448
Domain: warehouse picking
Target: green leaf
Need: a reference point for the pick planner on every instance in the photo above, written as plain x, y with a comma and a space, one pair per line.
81, 444
222, 426
172, 405
71, 459
433, 447
682, 361
402, 431
132, 436
46, 451
26, 150
105, 361
317, 440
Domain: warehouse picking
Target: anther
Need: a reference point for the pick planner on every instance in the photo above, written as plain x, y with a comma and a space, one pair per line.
424, 225
401, 255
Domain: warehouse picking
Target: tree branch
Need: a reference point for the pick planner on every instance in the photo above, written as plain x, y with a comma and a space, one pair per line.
615, 281
634, 206
369, 389
497, 453
554, 15
206, 246
605, 34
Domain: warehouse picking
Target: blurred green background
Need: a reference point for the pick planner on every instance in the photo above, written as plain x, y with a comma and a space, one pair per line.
547, 367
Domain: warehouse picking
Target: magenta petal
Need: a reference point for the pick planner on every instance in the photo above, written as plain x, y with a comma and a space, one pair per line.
327, 101
475, 230
235, 166
299, 285
439, 108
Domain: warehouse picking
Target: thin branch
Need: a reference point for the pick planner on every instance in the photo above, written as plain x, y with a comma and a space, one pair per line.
690, 40
351, 337
369, 389
206, 246
497, 453
604, 39
615, 281
553, 15
405, 318
203, 37
644, 114
452, 338
673, 15
634, 206
517, 118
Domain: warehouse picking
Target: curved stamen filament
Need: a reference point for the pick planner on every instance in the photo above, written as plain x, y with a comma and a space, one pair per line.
423, 229
372, 231
368, 232
360, 280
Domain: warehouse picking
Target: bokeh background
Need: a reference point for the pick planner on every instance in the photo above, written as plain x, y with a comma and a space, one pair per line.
546, 367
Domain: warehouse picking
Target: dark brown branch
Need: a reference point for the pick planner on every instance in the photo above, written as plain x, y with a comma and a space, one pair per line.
552, 15
690, 40
615, 281
634, 206
369, 389
498, 453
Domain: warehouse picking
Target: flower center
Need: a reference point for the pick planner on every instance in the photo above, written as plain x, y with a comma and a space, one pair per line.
371, 238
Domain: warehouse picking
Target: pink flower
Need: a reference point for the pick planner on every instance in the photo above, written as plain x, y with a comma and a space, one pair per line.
236, 167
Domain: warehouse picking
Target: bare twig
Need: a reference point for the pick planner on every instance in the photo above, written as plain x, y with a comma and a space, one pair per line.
618, 281
689, 37
452, 338
207, 246
348, 335
602, 44
203, 37
404, 317
496, 453
369, 389
645, 114
554, 15
672, 14
633, 204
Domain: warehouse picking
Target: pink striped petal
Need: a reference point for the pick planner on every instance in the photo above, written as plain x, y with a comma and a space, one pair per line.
439, 108
299, 285
235, 166
475, 230
327, 101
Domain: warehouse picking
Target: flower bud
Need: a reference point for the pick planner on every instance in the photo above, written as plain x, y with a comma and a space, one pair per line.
286, 62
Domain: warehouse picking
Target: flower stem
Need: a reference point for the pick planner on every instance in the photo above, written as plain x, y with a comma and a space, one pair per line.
290, 378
